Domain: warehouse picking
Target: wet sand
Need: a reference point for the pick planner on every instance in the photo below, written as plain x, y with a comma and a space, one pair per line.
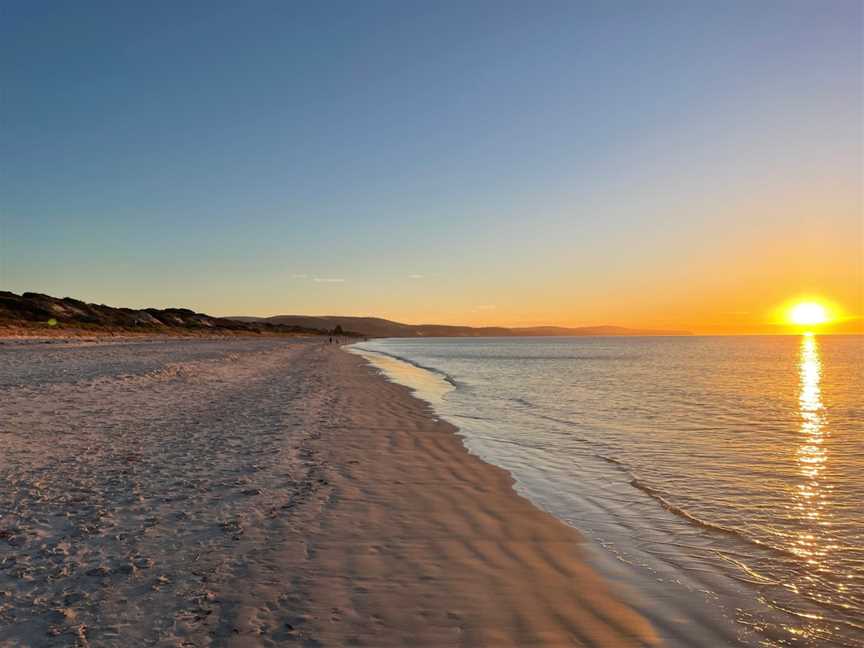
267, 493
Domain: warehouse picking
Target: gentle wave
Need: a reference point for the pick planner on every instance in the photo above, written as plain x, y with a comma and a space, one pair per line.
443, 374
693, 519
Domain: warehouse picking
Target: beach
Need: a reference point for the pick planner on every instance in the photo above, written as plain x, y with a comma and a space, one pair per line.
264, 492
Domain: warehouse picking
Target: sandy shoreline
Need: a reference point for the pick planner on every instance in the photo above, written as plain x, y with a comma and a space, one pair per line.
264, 493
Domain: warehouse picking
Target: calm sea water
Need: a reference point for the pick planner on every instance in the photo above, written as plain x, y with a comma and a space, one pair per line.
724, 476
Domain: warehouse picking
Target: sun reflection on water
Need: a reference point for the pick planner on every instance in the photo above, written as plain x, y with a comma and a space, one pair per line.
811, 497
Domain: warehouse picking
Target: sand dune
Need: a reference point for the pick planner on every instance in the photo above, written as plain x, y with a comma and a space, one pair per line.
264, 493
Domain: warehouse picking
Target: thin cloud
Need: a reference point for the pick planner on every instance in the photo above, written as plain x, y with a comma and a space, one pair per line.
329, 280
416, 276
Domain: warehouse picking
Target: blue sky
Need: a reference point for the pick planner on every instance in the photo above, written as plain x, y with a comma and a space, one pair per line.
460, 162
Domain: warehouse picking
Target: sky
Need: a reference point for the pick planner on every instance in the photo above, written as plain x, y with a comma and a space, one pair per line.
652, 164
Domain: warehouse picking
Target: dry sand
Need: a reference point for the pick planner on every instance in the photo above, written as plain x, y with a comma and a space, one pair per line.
267, 493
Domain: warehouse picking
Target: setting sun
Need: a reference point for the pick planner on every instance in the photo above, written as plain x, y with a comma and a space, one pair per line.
808, 313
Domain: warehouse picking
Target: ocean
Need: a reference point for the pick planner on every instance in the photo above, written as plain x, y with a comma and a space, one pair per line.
719, 479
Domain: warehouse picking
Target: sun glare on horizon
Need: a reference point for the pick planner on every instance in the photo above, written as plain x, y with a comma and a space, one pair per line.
808, 313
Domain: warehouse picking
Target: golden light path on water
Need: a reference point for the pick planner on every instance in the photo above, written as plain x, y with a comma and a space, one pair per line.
811, 498
812, 455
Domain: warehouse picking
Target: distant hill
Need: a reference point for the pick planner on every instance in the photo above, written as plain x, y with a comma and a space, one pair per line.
34, 310
38, 310
377, 327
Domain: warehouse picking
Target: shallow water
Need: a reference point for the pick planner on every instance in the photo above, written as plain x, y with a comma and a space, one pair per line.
720, 470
